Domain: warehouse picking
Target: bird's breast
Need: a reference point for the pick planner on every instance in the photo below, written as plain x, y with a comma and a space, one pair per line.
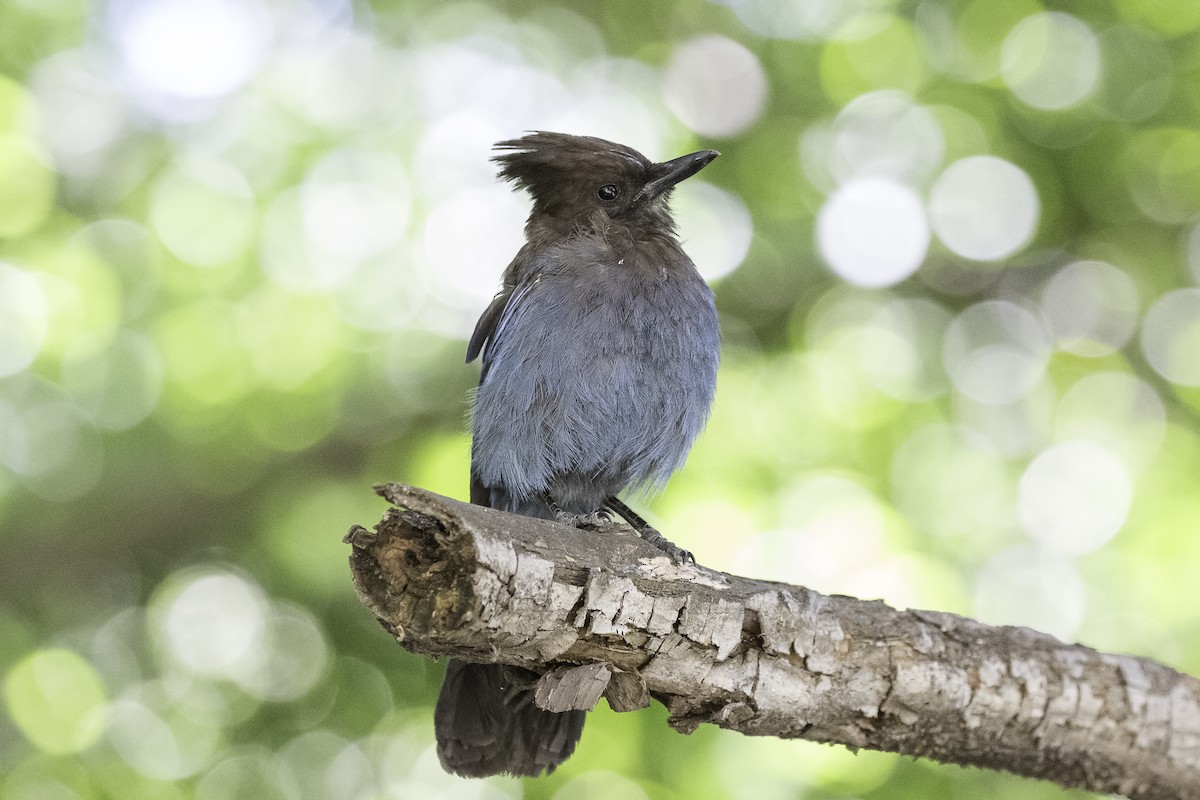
642, 366
602, 379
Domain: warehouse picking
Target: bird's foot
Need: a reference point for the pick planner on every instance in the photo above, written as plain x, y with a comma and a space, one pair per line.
600, 520
674, 552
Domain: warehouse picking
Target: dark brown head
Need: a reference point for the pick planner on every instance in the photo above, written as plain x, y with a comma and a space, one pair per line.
580, 182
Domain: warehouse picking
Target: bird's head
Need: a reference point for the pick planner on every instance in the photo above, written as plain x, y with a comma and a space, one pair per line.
576, 181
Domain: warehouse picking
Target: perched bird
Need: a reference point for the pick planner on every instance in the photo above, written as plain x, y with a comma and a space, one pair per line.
599, 365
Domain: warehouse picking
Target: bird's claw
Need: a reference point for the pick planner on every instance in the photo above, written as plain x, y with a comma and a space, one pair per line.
674, 552
594, 519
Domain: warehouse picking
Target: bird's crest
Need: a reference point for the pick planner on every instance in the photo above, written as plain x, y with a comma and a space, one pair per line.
542, 157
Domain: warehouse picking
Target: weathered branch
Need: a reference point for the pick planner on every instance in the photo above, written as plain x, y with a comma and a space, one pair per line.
604, 613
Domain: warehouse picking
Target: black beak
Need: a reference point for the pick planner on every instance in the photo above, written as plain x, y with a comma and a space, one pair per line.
677, 169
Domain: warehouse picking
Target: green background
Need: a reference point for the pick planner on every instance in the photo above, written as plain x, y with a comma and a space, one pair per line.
242, 245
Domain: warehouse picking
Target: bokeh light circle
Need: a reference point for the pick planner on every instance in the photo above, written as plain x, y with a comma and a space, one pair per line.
715, 227
808, 20
23, 319
1137, 72
45, 440
716, 86
190, 48
291, 658
1117, 410
984, 208
820, 508
56, 699
28, 179
1074, 497
288, 258
995, 352
212, 621
953, 484
203, 211
119, 386
872, 232
1090, 308
1171, 336
463, 263
600, 785
1162, 173
886, 133
1051, 61
142, 734
354, 204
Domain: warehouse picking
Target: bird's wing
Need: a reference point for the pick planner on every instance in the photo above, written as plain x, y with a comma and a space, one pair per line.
521, 270
507, 309
519, 278
501, 316
486, 326
487, 331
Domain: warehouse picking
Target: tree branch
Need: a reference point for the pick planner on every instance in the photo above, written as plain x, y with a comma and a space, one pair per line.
603, 613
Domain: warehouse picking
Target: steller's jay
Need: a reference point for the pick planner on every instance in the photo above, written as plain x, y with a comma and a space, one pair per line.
599, 365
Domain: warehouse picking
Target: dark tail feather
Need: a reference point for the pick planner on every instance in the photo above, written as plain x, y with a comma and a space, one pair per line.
498, 497
485, 728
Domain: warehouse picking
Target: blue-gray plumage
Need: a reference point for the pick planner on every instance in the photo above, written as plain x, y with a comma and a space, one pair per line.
599, 366
598, 376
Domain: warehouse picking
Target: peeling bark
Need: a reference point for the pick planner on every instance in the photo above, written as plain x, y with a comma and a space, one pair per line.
604, 614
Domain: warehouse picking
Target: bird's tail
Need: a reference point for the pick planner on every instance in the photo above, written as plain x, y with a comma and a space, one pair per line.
485, 727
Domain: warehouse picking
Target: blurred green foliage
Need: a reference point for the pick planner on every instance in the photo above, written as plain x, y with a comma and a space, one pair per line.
955, 249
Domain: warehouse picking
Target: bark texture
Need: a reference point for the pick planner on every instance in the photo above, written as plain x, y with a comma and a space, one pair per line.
604, 614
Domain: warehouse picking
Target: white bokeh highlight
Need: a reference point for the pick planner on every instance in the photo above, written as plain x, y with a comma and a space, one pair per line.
995, 352
715, 227
619, 99
220, 625
463, 262
1171, 336
149, 743
81, 111
190, 49
23, 319
872, 232
811, 19
285, 252
1119, 411
1090, 308
1051, 61
354, 204
214, 622
45, 441
1074, 497
949, 481
984, 208
290, 660
909, 368
716, 86
886, 133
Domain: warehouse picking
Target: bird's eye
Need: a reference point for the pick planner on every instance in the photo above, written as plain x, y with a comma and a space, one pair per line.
608, 192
